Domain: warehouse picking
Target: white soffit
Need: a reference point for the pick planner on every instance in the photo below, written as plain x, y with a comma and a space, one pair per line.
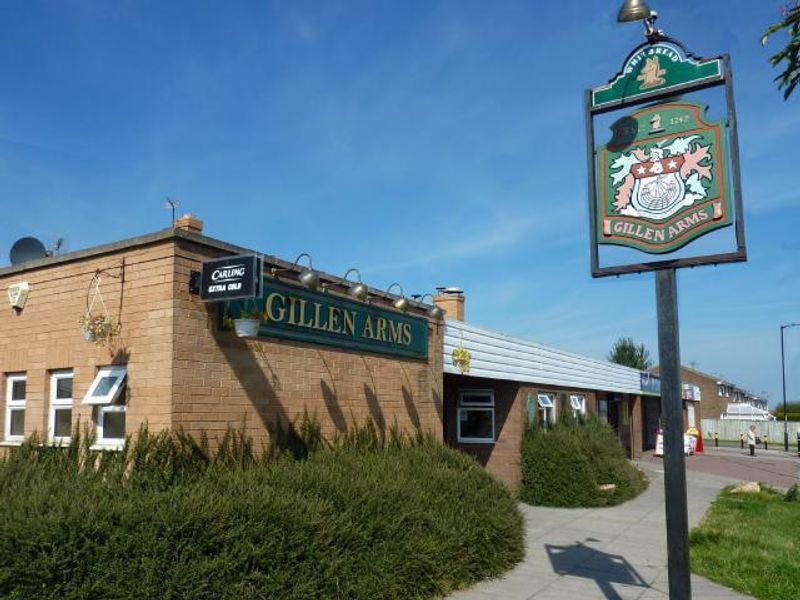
498, 356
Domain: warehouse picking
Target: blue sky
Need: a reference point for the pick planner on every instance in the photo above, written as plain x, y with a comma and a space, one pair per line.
426, 142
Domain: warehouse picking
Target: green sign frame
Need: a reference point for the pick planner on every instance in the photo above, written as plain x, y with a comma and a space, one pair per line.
658, 73
289, 312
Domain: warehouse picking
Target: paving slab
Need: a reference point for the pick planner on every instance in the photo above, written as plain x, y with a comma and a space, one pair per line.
614, 553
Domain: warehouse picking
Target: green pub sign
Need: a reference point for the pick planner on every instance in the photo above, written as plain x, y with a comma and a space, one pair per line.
662, 180
293, 313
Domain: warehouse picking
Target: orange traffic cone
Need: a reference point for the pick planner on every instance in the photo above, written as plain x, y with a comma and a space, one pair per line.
699, 448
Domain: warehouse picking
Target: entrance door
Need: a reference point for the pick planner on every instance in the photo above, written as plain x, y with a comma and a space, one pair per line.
619, 417
652, 411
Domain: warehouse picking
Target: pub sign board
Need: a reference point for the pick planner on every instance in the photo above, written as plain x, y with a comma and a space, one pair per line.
670, 174
230, 278
666, 183
293, 313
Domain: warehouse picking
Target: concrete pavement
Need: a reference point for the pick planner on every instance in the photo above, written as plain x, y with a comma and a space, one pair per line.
617, 552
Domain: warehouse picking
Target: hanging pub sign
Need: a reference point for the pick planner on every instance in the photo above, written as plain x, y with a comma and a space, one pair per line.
669, 174
231, 278
667, 183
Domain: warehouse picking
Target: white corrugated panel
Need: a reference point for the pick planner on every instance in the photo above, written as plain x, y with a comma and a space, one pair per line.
499, 356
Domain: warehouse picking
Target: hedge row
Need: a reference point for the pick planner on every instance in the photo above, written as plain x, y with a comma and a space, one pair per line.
370, 516
568, 464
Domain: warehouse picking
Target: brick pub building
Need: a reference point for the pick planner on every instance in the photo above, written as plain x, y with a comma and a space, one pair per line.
171, 361
175, 365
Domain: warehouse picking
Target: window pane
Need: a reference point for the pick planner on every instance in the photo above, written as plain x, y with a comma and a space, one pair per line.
64, 387
17, 425
63, 422
476, 398
477, 424
104, 385
113, 425
18, 389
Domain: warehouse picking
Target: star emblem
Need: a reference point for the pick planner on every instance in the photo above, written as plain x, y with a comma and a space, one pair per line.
640, 170
672, 164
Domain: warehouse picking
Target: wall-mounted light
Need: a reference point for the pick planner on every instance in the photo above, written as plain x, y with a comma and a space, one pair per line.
434, 312
358, 290
402, 302
308, 276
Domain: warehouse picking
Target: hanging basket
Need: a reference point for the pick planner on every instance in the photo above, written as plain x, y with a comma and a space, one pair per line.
95, 328
246, 327
462, 359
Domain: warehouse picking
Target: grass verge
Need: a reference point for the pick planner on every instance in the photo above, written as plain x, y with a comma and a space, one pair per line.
369, 516
749, 542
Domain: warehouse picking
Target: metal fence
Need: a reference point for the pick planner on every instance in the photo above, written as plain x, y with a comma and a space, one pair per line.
730, 429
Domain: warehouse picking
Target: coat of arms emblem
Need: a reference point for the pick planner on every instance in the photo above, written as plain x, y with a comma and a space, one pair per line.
658, 181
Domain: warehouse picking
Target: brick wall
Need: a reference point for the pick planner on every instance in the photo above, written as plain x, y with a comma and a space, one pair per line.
222, 380
181, 370
501, 458
46, 336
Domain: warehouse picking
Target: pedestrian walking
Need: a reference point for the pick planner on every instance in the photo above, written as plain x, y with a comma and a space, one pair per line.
751, 439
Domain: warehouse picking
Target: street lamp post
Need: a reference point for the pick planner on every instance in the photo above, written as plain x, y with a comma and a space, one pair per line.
783, 375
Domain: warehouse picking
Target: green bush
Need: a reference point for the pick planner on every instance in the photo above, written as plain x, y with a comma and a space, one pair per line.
369, 515
565, 465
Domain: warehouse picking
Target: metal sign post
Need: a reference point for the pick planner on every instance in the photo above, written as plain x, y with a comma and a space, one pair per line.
672, 408
668, 176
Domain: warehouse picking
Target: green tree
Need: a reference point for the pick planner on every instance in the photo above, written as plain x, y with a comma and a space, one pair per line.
791, 53
626, 352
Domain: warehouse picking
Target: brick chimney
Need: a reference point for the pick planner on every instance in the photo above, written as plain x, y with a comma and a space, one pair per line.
451, 301
189, 222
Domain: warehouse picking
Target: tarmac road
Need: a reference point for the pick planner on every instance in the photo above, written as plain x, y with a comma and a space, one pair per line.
773, 467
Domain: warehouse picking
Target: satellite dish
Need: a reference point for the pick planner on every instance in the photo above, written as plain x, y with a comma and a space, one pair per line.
27, 249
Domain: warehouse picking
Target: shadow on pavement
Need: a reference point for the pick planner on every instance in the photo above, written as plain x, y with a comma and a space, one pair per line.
606, 569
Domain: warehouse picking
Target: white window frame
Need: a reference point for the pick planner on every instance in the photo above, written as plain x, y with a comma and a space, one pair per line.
119, 372
547, 401
14, 405
59, 404
112, 444
465, 407
577, 403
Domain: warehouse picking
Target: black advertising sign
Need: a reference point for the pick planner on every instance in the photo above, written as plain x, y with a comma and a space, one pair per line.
231, 278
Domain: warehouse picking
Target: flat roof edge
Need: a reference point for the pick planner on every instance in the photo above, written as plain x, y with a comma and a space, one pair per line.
141, 240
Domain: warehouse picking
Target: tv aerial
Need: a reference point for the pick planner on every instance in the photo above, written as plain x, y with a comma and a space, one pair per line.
27, 249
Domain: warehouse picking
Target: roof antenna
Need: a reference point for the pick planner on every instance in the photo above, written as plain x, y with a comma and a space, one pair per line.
56, 247
173, 204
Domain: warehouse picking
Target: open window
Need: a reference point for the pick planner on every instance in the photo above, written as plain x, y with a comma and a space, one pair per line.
105, 395
476, 417
106, 386
577, 403
547, 408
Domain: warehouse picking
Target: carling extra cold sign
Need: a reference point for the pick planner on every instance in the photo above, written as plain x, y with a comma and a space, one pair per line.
231, 278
